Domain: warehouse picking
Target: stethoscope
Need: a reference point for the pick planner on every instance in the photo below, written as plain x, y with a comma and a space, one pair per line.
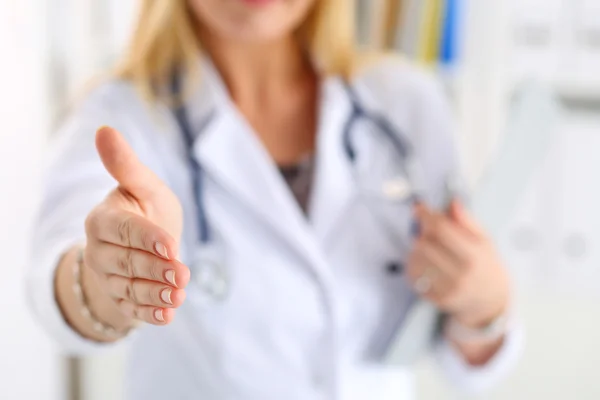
209, 268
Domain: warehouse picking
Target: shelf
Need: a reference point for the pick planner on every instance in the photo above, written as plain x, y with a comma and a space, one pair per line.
579, 93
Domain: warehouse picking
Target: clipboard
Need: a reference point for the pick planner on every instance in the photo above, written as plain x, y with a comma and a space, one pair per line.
532, 128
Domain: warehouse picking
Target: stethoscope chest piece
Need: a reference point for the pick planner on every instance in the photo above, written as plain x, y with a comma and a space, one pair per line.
210, 273
394, 189
397, 189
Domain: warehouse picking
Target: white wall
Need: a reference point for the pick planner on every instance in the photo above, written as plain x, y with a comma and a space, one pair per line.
29, 367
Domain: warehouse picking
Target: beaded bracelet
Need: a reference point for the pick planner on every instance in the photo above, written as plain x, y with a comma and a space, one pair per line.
493, 331
97, 325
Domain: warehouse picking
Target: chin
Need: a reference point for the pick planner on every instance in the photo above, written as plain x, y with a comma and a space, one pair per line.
252, 21
254, 34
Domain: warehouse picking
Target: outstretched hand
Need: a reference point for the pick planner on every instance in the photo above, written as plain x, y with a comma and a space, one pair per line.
133, 237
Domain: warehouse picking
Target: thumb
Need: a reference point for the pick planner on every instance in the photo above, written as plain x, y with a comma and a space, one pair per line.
121, 162
461, 216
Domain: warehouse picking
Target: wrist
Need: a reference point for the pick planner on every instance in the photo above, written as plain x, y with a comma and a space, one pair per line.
481, 316
479, 326
102, 310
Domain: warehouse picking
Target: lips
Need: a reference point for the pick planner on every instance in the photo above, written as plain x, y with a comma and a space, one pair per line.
258, 3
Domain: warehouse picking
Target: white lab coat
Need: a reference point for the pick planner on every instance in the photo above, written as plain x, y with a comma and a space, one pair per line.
311, 298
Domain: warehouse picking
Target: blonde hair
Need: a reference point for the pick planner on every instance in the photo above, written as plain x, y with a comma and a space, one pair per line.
165, 40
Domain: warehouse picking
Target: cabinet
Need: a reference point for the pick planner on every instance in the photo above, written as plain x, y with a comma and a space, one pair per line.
552, 243
579, 221
553, 240
536, 28
581, 62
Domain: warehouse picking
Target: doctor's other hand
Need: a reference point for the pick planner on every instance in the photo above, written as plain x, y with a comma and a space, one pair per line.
133, 239
455, 266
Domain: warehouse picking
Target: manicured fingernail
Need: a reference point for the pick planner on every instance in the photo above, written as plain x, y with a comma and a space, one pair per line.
158, 314
165, 295
170, 277
161, 249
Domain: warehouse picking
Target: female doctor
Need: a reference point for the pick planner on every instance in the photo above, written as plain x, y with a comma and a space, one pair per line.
260, 214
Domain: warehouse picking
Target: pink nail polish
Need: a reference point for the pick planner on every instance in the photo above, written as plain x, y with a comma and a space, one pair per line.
158, 314
165, 296
170, 277
161, 249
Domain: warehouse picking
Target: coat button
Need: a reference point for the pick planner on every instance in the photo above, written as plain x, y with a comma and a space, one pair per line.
394, 268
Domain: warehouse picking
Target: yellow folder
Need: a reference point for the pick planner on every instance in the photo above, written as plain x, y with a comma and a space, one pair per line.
430, 31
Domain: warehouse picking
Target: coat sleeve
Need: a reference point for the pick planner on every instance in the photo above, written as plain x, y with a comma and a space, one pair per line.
74, 182
429, 122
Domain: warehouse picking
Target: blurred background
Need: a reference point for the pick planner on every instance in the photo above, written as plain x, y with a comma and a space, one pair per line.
489, 53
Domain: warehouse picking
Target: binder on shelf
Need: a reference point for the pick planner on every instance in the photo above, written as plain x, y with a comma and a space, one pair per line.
586, 49
408, 31
429, 31
451, 35
392, 15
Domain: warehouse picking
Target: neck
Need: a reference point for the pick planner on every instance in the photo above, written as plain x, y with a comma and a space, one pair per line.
255, 71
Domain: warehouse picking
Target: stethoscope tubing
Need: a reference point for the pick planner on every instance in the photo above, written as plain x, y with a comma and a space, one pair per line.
395, 137
197, 173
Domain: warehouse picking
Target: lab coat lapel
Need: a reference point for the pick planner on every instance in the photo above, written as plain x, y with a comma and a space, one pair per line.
334, 186
233, 156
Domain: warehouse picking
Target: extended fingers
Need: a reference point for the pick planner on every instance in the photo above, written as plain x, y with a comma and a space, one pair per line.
149, 314
130, 230
145, 293
132, 263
